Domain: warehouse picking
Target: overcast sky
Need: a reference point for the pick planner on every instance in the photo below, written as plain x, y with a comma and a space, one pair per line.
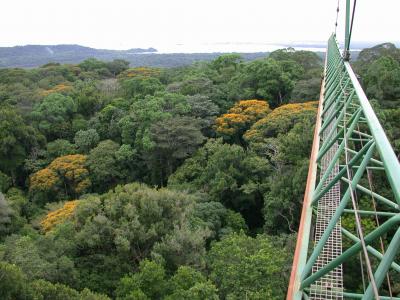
123, 24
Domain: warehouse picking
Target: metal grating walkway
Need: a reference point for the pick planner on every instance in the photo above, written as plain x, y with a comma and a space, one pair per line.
329, 286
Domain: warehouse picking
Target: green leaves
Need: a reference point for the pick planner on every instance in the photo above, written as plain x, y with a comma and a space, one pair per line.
13, 283
173, 141
188, 284
185, 245
59, 148
102, 164
151, 282
53, 115
86, 139
150, 109
266, 79
223, 171
149, 125
140, 86
87, 97
110, 164
5, 182
11, 208
382, 79
242, 267
123, 227
16, 139
5, 214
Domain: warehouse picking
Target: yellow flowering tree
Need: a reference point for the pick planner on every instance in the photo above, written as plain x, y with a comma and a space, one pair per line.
284, 137
62, 88
66, 176
280, 120
58, 216
239, 118
141, 71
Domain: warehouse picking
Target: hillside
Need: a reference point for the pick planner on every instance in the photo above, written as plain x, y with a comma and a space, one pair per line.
37, 55
32, 56
386, 49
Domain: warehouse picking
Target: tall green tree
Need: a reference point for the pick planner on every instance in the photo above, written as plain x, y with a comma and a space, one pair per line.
204, 109
245, 267
13, 283
86, 139
117, 66
66, 177
87, 96
102, 165
174, 140
141, 86
187, 283
59, 147
382, 80
266, 79
17, 139
54, 114
116, 231
229, 174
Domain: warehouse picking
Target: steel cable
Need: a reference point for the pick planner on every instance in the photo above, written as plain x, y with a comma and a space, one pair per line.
337, 15
351, 26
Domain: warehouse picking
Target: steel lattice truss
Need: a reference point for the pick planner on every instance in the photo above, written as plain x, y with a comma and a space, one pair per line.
350, 147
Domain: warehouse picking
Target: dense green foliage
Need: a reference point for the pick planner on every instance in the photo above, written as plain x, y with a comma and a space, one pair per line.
148, 183
379, 70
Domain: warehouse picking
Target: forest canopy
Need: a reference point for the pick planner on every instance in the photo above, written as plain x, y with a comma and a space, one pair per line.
163, 183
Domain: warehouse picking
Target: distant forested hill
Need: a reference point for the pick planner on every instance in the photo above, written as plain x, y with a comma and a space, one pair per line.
36, 55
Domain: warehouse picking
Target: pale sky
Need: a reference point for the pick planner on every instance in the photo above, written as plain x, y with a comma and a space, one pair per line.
123, 24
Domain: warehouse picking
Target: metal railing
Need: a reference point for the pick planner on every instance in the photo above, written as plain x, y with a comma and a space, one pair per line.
348, 130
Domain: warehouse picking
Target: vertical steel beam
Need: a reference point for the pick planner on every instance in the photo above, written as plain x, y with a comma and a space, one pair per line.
346, 54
